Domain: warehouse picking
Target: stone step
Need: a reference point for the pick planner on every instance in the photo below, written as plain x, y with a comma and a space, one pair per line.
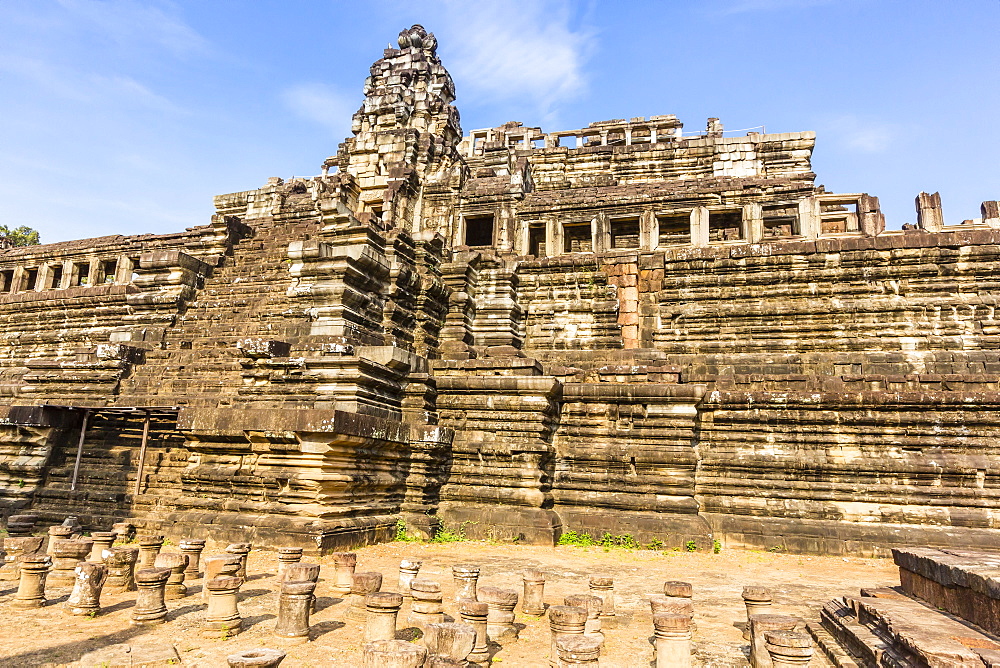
905, 632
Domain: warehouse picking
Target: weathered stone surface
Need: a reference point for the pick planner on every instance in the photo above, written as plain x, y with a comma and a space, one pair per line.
618, 329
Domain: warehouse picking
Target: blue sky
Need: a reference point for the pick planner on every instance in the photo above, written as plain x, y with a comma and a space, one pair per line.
127, 117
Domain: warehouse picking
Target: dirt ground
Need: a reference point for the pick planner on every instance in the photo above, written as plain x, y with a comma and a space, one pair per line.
49, 636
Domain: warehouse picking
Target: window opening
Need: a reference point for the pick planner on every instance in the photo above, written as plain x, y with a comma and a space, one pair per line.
32, 280
479, 230
779, 221
578, 238
83, 274
536, 240
108, 268
625, 233
8, 280
725, 225
674, 229
55, 280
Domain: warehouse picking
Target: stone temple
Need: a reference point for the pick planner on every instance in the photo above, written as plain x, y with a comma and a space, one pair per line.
622, 328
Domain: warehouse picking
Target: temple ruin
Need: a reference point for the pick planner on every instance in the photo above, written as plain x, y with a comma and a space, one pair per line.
624, 328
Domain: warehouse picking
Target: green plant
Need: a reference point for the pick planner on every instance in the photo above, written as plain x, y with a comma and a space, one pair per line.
575, 538
655, 544
446, 534
624, 540
20, 483
691, 546
716, 547
776, 548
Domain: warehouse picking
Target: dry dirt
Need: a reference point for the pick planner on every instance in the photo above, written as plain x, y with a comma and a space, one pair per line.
50, 636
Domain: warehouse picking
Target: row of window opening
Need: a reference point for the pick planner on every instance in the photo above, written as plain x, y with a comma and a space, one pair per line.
56, 276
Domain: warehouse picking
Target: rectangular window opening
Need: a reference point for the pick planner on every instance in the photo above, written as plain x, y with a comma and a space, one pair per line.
569, 141
31, 281
839, 217
479, 230
83, 274
625, 233
108, 268
674, 229
7, 278
725, 225
578, 238
779, 221
641, 136
536, 240
55, 277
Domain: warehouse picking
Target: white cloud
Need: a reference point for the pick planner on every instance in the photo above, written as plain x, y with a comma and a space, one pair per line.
85, 87
861, 135
743, 6
323, 104
516, 50
129, 23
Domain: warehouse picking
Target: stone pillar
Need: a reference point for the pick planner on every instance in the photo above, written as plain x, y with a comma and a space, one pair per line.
870, 217
408, 569
86, 596
15, 548
176, 562
121, 567
810, 220
149, 547
150, 607
222, 617
649, 231
393, 654
753, 222
58, 532
990, 212
73, 522
758, 602
533, 601
553, 238
761, 624
592, 604
31, 585
564, 621
475, 613
344, 564
426, 608
124, 531
286, 556
500, 617
256, 658
789, 648
66, 554
603, 587
382, 609
294, 605
699, 226
449, 640
243, 550
929, 215
21, 526
219, 565
672, 640
102, 542
578, 651
600, 230
466, 577
672, 604
193, 550
363, 584
304, 573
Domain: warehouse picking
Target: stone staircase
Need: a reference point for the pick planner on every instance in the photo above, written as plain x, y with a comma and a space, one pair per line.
942, 615
200, 363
